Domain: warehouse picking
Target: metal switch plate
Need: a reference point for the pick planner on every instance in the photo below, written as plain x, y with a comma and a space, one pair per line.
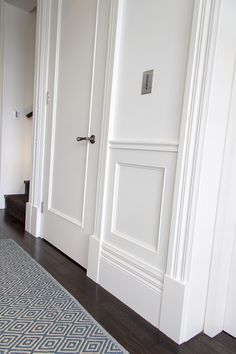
147, 82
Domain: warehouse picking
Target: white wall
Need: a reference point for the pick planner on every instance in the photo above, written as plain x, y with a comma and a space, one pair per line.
142, 151
153, 35
18, 74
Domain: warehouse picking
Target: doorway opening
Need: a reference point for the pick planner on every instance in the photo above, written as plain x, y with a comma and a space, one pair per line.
18, 34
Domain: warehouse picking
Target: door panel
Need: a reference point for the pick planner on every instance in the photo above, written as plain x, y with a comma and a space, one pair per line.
76, 84
72, 106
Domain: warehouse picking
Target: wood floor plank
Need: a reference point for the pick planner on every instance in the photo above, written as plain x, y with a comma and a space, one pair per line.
131, 330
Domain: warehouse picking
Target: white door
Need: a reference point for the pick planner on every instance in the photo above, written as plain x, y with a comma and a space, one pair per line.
76, 85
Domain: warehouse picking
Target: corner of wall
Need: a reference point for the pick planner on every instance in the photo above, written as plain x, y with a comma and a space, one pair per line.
93, 258
186, 280
33, 220
172, 309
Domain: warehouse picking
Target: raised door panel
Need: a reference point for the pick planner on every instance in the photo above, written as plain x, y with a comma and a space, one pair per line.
71, 108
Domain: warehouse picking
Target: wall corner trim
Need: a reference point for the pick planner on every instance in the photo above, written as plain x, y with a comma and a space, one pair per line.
33, 220
93, 258
40, 112
184, 249
172, 308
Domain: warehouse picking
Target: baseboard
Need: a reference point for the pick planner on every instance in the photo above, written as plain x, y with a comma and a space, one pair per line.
137, 285
93, 258
172, 309
2, 202
213, 331
33, 220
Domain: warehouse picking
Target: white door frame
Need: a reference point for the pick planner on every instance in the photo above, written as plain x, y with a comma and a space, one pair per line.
182, 313
1, 86
194, 243
225, 229
183, 275
34, 207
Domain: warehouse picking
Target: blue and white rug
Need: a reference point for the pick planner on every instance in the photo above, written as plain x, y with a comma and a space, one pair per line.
37, 315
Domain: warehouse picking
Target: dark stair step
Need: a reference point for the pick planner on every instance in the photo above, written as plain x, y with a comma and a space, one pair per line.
27, 188
16, 203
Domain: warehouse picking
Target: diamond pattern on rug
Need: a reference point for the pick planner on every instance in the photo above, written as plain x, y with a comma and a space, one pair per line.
37, 315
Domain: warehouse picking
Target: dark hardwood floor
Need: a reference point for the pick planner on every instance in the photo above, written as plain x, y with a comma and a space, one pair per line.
133, 332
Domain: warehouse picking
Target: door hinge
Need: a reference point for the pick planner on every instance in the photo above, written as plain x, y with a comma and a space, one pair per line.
42, 207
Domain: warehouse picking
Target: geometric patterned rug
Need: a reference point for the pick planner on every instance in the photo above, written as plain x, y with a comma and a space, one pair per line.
37, 315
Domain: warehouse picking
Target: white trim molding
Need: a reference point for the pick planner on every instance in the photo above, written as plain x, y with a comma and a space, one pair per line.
95, 241
2, 201
33, 211
183, 311
145, 281
154, 248
143, 145
143, 272
225, 224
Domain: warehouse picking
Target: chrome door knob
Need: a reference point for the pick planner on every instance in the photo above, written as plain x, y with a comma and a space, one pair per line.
92, 138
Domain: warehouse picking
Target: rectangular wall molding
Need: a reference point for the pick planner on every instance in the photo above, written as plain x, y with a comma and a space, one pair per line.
157, 175
139, 201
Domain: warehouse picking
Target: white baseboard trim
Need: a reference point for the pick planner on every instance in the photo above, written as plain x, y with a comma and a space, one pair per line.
214, 330
27, 217
2, 203
172, 309
93, 258
181, 319
138, 285
33, 220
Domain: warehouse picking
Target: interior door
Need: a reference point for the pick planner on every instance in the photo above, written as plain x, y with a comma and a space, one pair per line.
76, 85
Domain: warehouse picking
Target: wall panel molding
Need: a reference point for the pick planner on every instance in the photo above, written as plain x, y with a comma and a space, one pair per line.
66, 217
138, 203
154, 246
143, 145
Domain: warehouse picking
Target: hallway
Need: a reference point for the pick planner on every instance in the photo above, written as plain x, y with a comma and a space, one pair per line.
134, 333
